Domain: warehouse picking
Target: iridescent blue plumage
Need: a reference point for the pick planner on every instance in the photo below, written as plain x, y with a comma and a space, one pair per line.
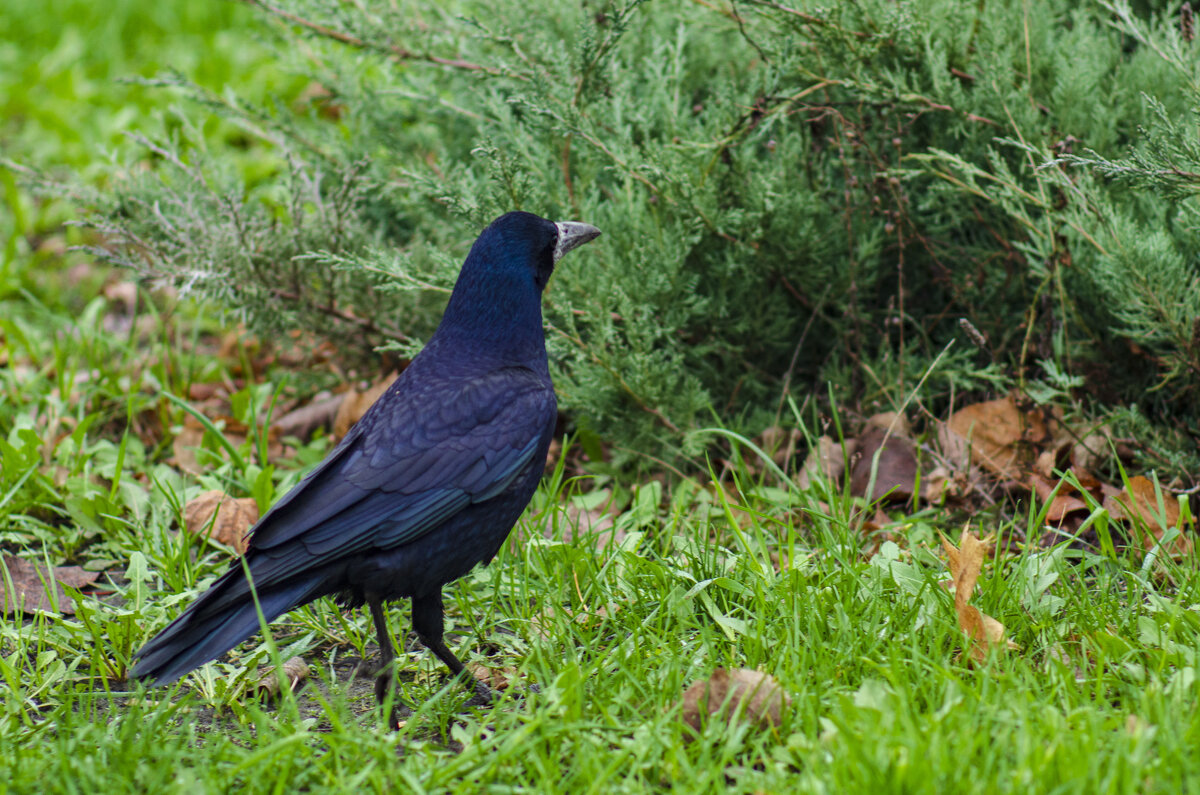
425, 486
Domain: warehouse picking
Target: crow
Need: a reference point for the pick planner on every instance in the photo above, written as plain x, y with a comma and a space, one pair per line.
425, 486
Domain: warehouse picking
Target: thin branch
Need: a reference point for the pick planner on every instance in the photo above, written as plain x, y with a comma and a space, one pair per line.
397, 52
366, 324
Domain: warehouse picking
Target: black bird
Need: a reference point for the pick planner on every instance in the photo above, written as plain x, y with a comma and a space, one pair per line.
426, 485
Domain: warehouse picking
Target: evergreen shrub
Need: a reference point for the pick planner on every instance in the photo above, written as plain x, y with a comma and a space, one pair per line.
790, 194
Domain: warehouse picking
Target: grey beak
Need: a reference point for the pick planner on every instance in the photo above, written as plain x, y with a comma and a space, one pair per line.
572, 234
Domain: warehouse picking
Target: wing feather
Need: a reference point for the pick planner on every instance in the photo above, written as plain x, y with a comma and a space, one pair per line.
390, 481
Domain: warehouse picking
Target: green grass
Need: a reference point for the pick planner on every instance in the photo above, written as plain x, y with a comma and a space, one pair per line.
1100, 697
66, 69
868, 648
69, 101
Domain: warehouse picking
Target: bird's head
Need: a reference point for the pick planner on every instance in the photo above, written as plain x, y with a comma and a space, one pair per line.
496, 306
527, 245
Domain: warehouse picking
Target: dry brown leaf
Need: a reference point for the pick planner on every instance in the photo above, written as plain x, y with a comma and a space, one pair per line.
1139, 500
753, 696
30, 580
891, 422
779, 443
826, 458
1058, 654
355, 404
295, 671
183, 448
587, 617
896, 473
221, 517
215, 394
965, 562
939, 485
873, 525
1065, 501
954, 448
1091, 450
576, 521
1001, 436
542, 624
495, 678
1045, 464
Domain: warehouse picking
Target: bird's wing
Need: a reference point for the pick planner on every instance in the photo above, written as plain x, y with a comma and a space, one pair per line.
426, 450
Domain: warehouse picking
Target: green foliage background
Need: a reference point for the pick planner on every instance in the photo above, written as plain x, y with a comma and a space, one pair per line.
791, 195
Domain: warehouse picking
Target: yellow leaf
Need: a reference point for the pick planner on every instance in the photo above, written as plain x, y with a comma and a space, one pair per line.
965, 562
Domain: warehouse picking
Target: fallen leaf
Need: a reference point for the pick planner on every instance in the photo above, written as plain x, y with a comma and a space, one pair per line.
295, 671
1065, 501
356, 403
598, 520
873, 525
891, 422
217, 515
954, 448
1001, 437
895, 473
29, 581
495, 678
743, 694
210, 393
1057, 654
1045, 464
1138, 503
1091, 450
826, 458
939, 485
965, 562
183, 448
581, 516
779, 443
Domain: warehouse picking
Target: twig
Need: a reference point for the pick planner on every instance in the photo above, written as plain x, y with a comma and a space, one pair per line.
365, 324
397, 52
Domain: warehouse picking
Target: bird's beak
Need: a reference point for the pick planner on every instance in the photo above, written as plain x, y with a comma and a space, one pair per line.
572, 234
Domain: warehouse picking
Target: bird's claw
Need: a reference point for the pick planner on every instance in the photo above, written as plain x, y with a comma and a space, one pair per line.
484, 695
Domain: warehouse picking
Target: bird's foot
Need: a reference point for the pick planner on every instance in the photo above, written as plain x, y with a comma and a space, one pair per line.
484, 696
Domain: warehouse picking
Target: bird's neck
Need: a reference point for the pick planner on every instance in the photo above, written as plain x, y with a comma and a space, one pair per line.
497, 317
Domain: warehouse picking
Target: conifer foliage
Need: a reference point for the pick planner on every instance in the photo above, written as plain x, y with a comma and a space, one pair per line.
789, 193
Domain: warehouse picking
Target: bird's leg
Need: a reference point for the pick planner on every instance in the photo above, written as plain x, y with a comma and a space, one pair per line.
428, 617
387, 652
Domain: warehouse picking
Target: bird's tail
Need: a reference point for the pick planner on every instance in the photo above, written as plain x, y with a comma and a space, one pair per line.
216, 622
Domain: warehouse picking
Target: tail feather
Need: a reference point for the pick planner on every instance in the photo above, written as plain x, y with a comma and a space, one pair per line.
202, 634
